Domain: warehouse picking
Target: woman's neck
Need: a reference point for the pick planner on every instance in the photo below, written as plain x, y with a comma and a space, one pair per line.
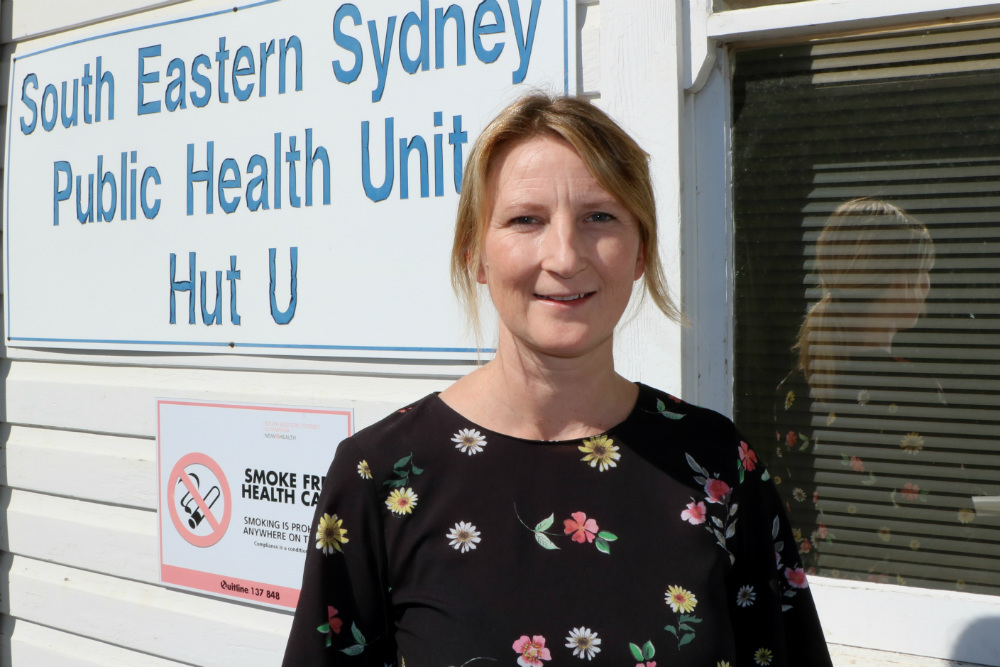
537, 397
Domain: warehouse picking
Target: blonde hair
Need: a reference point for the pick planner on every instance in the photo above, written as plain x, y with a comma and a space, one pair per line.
620, 166
867, 247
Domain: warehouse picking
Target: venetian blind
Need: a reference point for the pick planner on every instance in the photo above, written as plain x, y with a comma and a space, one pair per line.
887, 449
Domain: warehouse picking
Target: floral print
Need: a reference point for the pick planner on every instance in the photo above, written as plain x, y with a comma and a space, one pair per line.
763, 656
601, 452
578, 527
332, 625
330, 535
401, 501
745, 596
532, 651
585, 644
554, 600
581, 528
912, 443
695, 513
469, 441
463, 536
681, 600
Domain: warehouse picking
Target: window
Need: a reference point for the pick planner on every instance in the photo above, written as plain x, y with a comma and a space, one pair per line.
866, 194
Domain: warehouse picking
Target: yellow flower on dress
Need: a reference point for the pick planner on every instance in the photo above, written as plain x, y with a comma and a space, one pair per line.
364, 470
330, 535
830, 418
885, 534
600, 451
401, 501
912, 443
722, 663
966, 515
763, 656
680, 600
789, 399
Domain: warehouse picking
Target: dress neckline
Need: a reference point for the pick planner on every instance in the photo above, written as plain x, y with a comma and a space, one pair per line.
643, 389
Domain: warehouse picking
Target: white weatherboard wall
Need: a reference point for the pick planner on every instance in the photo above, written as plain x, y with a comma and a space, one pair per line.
78, 538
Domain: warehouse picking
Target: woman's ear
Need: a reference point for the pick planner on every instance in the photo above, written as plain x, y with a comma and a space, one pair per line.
640, 263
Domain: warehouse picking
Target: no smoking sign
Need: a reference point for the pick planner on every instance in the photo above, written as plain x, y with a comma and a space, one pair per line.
235, 481
199, 500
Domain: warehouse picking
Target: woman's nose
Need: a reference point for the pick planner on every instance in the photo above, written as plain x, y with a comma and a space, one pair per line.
564, 250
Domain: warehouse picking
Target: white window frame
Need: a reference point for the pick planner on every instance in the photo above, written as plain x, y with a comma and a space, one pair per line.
938, 626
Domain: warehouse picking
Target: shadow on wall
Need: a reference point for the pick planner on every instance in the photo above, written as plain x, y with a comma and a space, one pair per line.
979, 643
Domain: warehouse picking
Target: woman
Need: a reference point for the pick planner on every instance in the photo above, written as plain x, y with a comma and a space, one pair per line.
543, 508
848, 413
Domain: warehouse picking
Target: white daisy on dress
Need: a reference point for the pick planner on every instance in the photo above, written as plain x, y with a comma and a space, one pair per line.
746, 596
463, 536
469, 441
583, 642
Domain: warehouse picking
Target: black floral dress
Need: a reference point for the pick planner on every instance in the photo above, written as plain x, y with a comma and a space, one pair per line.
438, 542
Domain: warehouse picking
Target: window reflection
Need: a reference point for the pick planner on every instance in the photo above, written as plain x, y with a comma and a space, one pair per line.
866, 195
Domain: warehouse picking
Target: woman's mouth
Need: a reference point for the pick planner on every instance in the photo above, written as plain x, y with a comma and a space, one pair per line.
563, 299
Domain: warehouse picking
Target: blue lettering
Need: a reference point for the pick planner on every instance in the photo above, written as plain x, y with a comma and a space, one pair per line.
347, 42
150, 77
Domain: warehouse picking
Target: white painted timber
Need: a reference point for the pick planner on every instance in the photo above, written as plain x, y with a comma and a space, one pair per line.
35, 18
849, 656
589, 64
828, 16
115, 399
947, 625
98, 468
31, 645
137, 616
117, 541
641, 88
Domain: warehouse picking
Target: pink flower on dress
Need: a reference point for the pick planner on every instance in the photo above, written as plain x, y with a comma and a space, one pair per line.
532, 651
857, 465
791, 439
335, 623
651, 663
910, 491
821, 531
747, 456
796, 577
695, 513
717, 491
581, 528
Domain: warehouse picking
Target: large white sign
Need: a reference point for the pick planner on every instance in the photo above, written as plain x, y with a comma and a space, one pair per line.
238, 485
275, 177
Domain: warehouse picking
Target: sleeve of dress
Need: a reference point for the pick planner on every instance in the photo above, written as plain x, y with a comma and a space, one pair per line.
774, 618
343, 614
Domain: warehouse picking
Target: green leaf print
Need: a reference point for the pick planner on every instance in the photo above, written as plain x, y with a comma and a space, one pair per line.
648, 651
545, 523
661, 407
671, 629
401, 463
602, 545
685, 639
358, 637
636, 652
357, 649
544, 541
610, 537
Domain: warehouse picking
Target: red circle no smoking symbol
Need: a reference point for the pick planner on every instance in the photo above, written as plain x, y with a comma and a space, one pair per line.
201, 514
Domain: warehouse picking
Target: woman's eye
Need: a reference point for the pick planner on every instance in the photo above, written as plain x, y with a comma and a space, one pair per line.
600, 217
523, 220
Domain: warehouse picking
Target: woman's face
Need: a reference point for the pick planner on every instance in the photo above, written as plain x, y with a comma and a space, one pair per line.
560, 254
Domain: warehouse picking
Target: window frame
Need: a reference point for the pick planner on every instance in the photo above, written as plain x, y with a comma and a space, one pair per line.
896, 619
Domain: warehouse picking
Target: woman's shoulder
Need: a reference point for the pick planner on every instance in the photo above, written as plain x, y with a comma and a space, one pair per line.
655, 406
400, 429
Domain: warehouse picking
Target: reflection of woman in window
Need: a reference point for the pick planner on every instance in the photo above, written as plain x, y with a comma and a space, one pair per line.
840, 428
